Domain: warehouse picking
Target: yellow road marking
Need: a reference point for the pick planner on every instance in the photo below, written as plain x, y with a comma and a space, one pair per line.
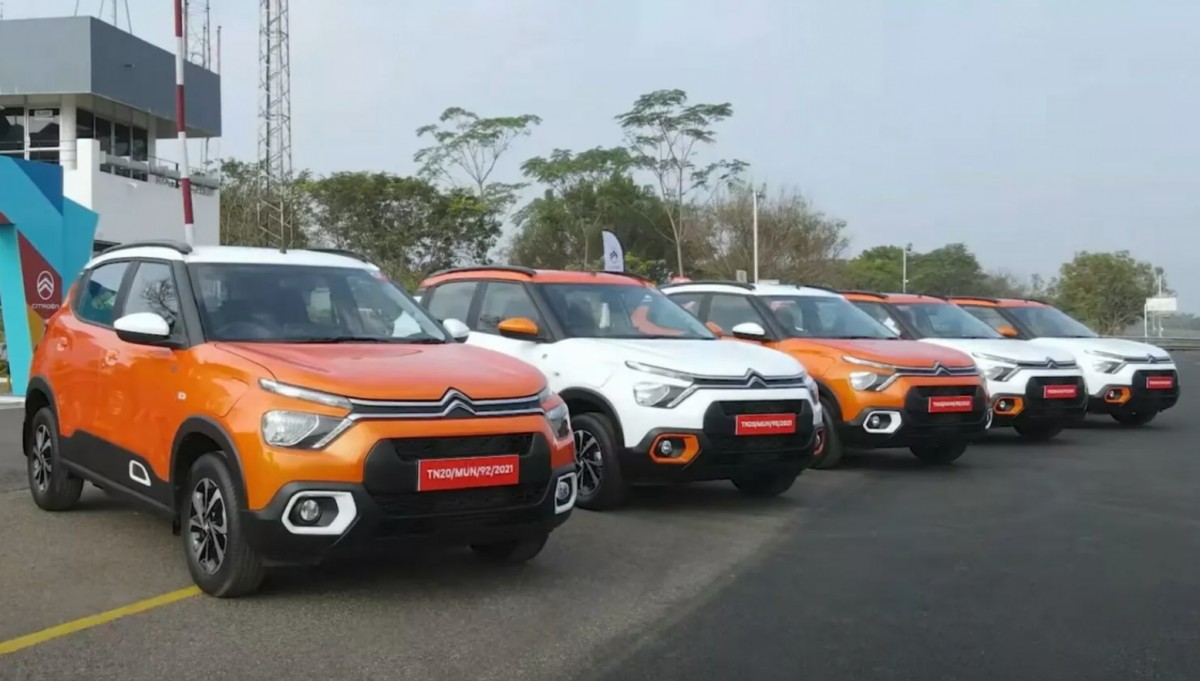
67, 628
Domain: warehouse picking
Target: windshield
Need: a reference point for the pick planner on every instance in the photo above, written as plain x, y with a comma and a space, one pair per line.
824, 317
1050, 322
944, 320
304, 304
617, 311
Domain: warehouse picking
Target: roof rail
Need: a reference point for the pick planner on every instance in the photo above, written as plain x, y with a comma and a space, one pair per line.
858, 292
342, 252
816, 286
153, 243
487, 268
984, 298
632, 275
711, 282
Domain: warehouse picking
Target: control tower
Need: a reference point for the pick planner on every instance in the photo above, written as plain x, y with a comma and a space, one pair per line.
97, 100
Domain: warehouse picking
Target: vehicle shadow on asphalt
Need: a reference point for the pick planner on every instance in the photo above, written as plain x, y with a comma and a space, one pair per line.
707, 496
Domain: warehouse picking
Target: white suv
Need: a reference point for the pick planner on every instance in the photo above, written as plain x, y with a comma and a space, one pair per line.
1036, 389
1128, 380
654, 395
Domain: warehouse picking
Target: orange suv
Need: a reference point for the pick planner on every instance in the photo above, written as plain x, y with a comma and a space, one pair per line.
278, 406
876, 390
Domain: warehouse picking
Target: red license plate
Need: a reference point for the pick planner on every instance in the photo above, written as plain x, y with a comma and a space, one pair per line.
1160, 382
765, 424
1060, 392
468, 472
950, 405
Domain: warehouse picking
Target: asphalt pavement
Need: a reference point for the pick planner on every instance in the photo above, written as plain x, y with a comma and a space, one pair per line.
1071, 560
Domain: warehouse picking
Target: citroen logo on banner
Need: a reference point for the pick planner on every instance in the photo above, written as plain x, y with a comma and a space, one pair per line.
45, 285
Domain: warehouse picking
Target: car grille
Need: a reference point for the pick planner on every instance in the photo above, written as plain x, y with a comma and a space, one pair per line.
413, 449
916, 404
727, 448
391, 470
1035, 399
1139, 388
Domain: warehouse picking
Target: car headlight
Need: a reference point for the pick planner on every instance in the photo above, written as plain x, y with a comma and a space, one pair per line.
1106, 362
656, 394
668, 373
996, 368
305, 394
877, 379
299, 429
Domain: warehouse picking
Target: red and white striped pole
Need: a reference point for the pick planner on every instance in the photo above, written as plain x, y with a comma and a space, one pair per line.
185, 180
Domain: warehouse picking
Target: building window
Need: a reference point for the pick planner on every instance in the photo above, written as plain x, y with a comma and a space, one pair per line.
104, 134
12, 129
85, 124
141, 146
121, 140
43, 128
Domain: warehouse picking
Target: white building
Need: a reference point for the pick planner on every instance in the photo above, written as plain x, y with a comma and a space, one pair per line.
98, 102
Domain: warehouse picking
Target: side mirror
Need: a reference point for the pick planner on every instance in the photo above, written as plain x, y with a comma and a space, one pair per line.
715, 329
457, 330
520, 328
749, 331
1008, 332
144, 328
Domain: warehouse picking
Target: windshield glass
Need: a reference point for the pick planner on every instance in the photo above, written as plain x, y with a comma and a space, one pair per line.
304, 304
943, 320
1050, 322
824, 317
617, 311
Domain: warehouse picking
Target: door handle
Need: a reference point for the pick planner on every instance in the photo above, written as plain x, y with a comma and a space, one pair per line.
110, 358
61, 345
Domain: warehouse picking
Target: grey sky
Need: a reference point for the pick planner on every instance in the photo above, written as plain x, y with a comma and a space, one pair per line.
1027, 129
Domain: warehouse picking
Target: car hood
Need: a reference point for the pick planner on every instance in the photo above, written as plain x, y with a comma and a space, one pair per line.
1115, 346
1008, 348
897, 352
394, 371
702, 357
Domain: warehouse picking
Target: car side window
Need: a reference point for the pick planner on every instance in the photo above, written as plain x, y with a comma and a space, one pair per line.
451, 300
880, 314
503, 300
98, 299
153, 290
728, 311
689, 302
988, 315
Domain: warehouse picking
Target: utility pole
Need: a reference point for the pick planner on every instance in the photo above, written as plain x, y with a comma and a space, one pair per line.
754, 202
904, 268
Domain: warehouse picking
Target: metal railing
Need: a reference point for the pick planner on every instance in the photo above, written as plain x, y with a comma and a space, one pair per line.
1176, 344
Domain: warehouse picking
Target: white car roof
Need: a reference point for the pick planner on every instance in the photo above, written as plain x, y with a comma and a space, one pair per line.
749, 289
231, 255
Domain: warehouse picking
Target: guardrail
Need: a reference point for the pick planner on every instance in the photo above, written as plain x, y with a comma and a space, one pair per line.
1169, 344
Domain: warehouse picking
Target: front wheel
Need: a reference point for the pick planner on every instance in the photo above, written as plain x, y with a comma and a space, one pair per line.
939, 453
221, 560
831, 455
765, 485
1039, 431
513, 551
1134, 419
601, 485
52, 487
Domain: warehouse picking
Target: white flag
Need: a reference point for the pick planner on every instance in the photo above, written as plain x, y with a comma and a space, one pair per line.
614, 255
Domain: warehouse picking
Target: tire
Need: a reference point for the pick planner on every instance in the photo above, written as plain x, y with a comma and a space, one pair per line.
596, 458
239, 571
765, 486
1039, 431
512, 552
1134, 419
939, 453
52, 487
832, 455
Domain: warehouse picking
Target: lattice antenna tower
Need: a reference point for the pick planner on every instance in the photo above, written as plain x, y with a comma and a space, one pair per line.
111, 9
275, 202
198, 27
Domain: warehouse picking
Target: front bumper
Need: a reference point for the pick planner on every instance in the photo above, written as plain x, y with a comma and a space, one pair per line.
1120, 397
914, 423
1037, 404
387, 508
722, 454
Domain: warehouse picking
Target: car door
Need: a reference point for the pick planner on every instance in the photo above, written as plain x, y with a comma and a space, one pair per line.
501, 300
145, 383
84, 342
451, 300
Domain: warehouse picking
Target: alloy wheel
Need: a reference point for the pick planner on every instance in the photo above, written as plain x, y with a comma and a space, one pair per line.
589, 461
42, 467
208, 526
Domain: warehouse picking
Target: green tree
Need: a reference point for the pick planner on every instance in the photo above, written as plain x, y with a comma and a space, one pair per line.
950, 270
404, 224
796, 243
465, 152
1107, 291
241, 218
665, 135
880, 268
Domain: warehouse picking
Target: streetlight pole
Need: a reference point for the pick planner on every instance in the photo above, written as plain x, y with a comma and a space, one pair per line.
754, 201
904, 269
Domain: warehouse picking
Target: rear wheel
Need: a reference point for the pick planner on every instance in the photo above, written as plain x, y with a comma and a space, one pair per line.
221, 560
1040, 431
513, 551
1134, 418
939, 453
765, 485
601, 485
52, 487
832, 453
